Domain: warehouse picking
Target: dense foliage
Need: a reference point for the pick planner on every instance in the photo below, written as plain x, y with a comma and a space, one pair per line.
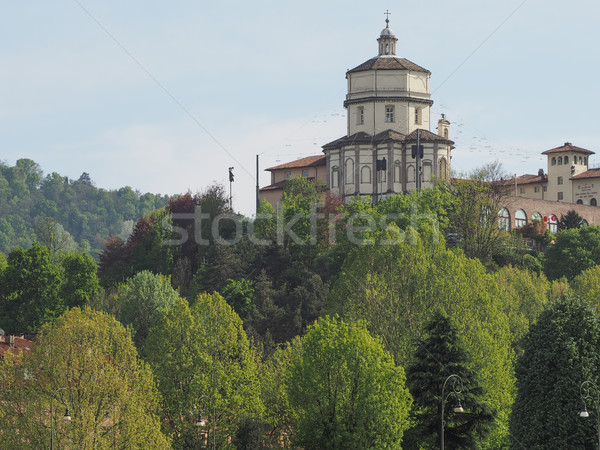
89, 214
230, 313
560, 352
85, 362
345, 390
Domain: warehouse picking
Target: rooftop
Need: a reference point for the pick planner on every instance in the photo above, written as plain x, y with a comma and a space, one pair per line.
388, 62
568, 147
309, 161
20, 344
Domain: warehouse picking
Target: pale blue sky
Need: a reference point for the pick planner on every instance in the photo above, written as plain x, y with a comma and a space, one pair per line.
164, 96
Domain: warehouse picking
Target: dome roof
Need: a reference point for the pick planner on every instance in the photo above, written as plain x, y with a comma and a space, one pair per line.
387, 32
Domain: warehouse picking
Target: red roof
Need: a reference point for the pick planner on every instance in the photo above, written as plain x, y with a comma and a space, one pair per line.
592, 173
309, 161
274, 186
20, 344
568, 147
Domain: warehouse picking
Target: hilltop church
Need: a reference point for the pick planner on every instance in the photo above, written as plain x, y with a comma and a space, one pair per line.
388, 148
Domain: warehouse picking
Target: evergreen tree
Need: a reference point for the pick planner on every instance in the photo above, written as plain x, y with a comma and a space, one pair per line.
560, 352
442, 354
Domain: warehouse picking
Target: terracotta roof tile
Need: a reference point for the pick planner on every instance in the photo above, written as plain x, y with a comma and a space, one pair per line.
568, 147
591, 173
309, 161
20, 344
274, 186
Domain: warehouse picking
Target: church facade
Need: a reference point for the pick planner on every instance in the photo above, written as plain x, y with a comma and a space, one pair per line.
388, 148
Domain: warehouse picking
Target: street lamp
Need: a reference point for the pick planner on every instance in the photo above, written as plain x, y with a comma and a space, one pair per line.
584, 392
66, 417
201, 422
457, 387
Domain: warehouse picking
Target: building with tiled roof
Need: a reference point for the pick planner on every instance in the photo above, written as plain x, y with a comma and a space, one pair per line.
14, 344
312, 167
388, 112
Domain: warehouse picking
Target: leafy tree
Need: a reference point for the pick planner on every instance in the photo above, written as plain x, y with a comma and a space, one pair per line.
574, 251
397, 284
53, 236
443, 354
201, 356
586, 286
570, 220
560, 351
29, 290
524, 296
141, 299
111, 395
240, 295
79, 279
345, 390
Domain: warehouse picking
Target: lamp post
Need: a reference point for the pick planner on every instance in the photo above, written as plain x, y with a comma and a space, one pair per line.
200, 422
66, 417
584, 392
457, 387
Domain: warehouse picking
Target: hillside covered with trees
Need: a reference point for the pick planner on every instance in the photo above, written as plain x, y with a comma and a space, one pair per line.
321, 325
88, 214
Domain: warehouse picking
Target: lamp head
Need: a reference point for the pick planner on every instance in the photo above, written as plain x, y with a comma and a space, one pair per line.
458, 407
584, 412
67, 416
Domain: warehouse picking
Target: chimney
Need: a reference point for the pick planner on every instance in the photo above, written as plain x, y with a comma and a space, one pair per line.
10, 340
541, 173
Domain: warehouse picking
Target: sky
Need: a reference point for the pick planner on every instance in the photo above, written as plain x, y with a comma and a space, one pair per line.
165, 96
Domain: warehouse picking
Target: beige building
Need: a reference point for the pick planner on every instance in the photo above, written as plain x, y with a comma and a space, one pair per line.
568, 179
568, 184
388, 112
311, 167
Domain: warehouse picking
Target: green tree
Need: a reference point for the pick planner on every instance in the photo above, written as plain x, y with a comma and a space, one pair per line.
560, 351
574, 251
240, 295
570, 220
201, 356
110, 393
345, 390
79, 279
29, 290
443, 354
141, 299
586, 286
397, 284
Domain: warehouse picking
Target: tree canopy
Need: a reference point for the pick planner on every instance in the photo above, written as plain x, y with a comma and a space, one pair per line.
87, 362
346, 390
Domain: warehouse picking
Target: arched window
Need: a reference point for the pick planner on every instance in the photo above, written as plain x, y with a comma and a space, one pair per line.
594, 202
520, 218
335, 177
552, 223
560, 160
365, 174
427, 171
566, 160
553, 161
410, 174
583, 223
397, 172
443, 169
585, 160
504, 219
536, 217
349, 171
579, 202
